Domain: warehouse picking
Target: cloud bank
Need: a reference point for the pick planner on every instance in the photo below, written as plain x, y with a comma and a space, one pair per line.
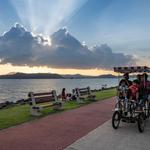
20, 47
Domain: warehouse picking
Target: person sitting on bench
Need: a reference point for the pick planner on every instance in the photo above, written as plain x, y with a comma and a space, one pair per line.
63, 94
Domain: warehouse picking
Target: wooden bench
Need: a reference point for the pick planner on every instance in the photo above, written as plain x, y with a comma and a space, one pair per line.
38, 101
84, 93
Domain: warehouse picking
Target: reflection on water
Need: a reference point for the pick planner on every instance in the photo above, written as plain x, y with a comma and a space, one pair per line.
15, 89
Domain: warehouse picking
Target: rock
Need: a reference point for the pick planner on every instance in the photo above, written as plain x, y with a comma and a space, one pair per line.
2, 105
21, 102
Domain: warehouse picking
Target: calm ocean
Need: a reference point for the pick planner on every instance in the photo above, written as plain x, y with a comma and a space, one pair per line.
15, 89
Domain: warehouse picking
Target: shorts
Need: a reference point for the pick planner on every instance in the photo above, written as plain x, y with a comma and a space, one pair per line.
143, 99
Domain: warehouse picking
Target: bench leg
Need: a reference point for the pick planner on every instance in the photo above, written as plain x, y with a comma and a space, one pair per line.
57, 106
34, 112
80, 101
93, 99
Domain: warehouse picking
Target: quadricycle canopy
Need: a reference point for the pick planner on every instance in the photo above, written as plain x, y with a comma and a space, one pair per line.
134, 69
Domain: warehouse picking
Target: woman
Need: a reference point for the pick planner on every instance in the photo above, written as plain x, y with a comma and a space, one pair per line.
63, 94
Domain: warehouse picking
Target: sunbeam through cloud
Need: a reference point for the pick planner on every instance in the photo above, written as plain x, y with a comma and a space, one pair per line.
46, 16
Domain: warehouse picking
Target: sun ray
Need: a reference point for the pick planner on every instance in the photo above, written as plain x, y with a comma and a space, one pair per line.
46, 16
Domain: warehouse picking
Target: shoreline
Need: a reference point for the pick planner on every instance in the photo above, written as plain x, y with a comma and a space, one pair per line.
22, 101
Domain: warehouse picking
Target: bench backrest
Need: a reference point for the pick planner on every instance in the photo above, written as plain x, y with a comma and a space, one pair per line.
83, 91
36, 98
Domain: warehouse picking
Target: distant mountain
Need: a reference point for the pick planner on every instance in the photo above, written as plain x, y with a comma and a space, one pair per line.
107, 76
50, 76
78, 76
31, 76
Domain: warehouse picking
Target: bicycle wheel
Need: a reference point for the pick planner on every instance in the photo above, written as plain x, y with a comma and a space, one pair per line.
116, 120
140, 122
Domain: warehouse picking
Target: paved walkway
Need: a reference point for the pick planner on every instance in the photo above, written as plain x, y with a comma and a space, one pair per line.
127, 137
56, 132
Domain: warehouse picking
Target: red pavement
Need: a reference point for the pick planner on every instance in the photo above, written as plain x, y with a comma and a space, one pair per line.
56, 132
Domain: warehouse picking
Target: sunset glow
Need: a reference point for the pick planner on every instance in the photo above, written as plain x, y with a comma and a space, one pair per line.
5, 69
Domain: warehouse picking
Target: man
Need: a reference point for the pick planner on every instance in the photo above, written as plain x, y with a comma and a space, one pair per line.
147, 85
123, 90
124, 85
126, 80
144, 88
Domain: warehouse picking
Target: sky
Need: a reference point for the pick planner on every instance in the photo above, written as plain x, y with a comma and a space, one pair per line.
73, 36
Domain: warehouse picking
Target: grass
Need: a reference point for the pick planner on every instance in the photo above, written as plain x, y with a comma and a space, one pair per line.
19, 114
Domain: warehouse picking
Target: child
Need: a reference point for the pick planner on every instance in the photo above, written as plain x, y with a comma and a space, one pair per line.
134, 90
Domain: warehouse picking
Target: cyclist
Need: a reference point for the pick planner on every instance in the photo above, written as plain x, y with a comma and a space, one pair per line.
134, 90
144, 88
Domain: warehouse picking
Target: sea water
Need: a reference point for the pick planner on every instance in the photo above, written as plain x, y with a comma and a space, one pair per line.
16, 89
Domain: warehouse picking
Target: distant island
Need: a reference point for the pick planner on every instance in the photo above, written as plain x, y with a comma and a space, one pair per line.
78, 76
50, 76
31, 76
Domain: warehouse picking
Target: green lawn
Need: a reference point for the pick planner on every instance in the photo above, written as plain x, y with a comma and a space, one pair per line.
19, 114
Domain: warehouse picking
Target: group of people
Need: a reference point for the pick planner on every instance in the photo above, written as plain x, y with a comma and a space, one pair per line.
138, 89
67, 96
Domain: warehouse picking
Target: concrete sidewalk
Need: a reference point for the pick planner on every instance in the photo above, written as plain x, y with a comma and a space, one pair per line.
127, 137
57, 131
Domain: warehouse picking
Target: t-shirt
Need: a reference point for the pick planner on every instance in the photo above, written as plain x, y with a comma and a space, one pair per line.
148, 87
145, 87
134, 90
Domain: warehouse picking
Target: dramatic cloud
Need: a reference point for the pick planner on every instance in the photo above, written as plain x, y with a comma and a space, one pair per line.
20, 47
